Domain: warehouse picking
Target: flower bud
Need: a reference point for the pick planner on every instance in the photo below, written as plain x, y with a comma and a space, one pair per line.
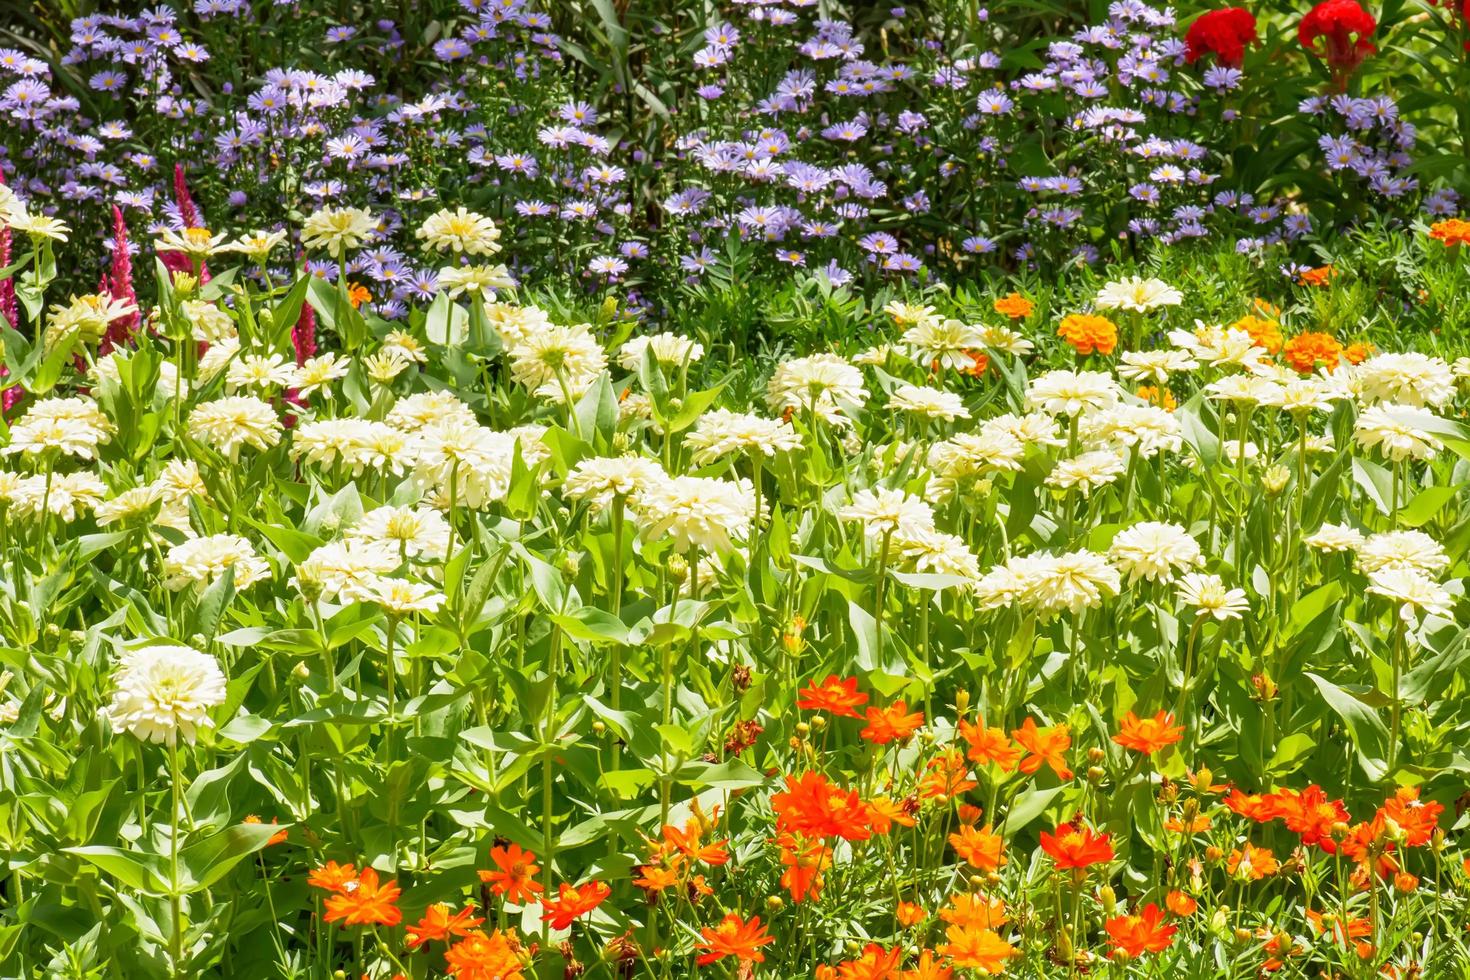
1108, 899
775, 903
1275, 479
1096, 755
819, 723
961, 702
1095, 774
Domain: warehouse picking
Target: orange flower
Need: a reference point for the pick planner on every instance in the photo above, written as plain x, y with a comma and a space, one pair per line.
482, 957
1143, 932
1260, 807
979, 848
980, 361
975, 911
1451, 231
805, 864
573, 903
365, 902
357, 295
1357, 353
927, 969
989, 745
332, 876
515, 874
1087, 333
834, 695
908, 914
1162, 397
734, 937
948, 777
439, 923
1077, 846
1198, 825
1045, 745
1181, 904
1319, 276
1311, 814
1148, 735
1014, 305
1418, 820
891, 724
876, 963
883, 813
967, 814
1264, 333
1353, 928
977, 949
813, 807
279, 837
655, 879
686, 841
1252, 863
1306, 351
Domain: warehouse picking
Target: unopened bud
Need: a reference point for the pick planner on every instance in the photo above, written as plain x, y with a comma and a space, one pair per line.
775, 903
1095, 774
1108, 899
1096, 755
961, 702
1275, 479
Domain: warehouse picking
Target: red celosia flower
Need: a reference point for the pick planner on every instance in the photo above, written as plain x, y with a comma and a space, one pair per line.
1345, 27
1222, 33
120, 286
733, 937
1076, 846
891, 724
365, 902
439, 923
1148, 735
8, 306
834, 695
1143, 932
573, 903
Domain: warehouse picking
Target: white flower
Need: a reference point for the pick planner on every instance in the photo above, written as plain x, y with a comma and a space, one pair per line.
399, 597
1033, 428
1412, 590
200, 561
1073, 581
1399, 431
413, 531
67, 436
1004, 340
338, 230
1137, 294
474, 280
1154, 550
1219, 346
969, 454
928, 402
1087, 471
935, 552
466, 462
822, 382
883, 512
319, 372
1207, 594
208, 322
1145, 428
945, 342
259, 371
1243, 389
1154, 365
429, 408
69, 495
721, 432
196, 243
1072, 392
1413, 550
669, 350
600, 479
697, 512
558, 356
460, 231
227, 424
165, 692
257, 246
1334, 537
128, 504
1406, 379
1008, 584
345, 568
908, 314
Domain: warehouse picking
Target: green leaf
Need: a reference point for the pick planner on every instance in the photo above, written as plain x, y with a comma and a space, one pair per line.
212, 858
1363, 725
136, 870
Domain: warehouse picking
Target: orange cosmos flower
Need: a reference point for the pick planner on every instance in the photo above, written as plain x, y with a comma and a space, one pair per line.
805, 864
573, 903
839, 698
948, 777
655, 879
1075, 845
979, 848
876, 963
1319, 276
1405, 882
365, 902
1252, 863
883, 813
1044, 745
1181, 904
1014, 305
979, 362
332, 876
1162, 397
1418, 819
989, 745
1143, 932
1451, 231
1087, 333
1148, 735
813, 807
975, 911
927, 969
1260, 807
481, 957
515, 874
909, 915
1352, 928
440, 923
977, 949
686, 841
891, 724
279, 837
1197, 825
1306, 351
1311, 814
357, 295
733, 937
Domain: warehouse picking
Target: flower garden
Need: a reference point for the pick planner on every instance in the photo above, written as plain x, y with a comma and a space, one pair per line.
766, 488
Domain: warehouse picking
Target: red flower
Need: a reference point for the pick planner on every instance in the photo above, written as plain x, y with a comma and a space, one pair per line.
1346, 27
834, 695
891, 724
573, 903
1144, 932
1222, 33
1076, 846
813, 807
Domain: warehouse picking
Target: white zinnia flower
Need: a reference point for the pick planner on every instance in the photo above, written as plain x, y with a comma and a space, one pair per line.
1073, 581
165, 692
345, 568
399, 597
824, 383
226, 424
928, 402
1334, 537
669, 349
721, 432
1208, 594
1154, 550
413, 531
1399, 431
697, 512
555, 357
883, 512
338, 230
1410, 378
1137, 294
460, 231
1072, 392
1154, 365
945, 342
1402, 549
1087, 471
200, 561
1412, 590
601, 479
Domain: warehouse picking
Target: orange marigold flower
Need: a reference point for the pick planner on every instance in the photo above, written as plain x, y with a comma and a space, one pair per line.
805, 864
1451, 231
1252, 863
1357, 353
279, 837
977, 949
1142, 932
909, 914
365, 902
573, 903
1263, 332
981, 849
332, 876
515, 874
1418, 819
1162, 397
814, 807
1306, 351
1044, 745
975, 911
876, 963
733, 937
1088, 333
481, 957
1319, 276
1014, 305
1075, 845
441, 923
1180, 903
357, 294
1148, 735
989, 745
834, 695
894, 723
980, 361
